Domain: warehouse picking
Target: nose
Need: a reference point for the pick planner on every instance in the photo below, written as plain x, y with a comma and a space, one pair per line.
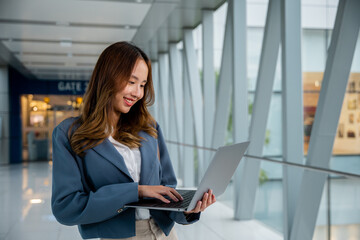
137, 91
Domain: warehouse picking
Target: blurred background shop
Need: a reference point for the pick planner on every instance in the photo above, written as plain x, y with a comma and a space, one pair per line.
39, 115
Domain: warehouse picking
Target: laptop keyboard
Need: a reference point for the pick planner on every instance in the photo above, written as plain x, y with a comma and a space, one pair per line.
186, 194
156, 203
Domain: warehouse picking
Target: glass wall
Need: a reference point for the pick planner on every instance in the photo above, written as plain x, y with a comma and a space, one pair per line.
338, 216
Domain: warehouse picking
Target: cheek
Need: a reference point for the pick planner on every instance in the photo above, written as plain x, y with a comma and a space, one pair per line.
118, 97
142, 93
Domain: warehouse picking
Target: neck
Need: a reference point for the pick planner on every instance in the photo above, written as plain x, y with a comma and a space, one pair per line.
114, 120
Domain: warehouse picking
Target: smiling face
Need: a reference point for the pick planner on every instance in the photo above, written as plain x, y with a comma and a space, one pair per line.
133, 90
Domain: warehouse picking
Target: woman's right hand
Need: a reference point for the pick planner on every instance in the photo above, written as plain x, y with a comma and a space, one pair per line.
159, 192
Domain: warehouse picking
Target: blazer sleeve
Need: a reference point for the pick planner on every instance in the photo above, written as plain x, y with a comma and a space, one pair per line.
168, 178
71, 203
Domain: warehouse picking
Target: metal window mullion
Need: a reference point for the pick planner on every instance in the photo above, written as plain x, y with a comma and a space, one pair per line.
239, 80
176, 79
146, 48
209, 83
240, 122
292, 107
196, 93
160, 105
154, 49
155, 77
177, 91
223, 96
188, 164
173, 135
164, 86
260, 111
303, 166
176, 87
337, 70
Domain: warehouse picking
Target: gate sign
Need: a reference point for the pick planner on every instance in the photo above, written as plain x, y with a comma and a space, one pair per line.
74, 87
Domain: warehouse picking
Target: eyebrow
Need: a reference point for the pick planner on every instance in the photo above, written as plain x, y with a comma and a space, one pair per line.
133, 76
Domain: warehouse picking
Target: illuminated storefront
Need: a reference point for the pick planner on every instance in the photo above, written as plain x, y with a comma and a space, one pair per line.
39, 115
37, 106
347, 138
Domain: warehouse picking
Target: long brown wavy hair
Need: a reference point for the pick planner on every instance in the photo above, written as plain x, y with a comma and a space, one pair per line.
111, 74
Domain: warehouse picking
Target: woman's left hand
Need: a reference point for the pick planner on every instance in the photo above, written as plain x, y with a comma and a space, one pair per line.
206, 201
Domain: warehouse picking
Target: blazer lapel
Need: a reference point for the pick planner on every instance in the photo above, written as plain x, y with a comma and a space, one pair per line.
107, 150
148, 151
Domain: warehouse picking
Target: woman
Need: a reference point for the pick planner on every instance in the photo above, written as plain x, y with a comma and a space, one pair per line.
114, 154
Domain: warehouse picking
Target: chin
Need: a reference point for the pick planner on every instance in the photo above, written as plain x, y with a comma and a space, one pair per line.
124, 112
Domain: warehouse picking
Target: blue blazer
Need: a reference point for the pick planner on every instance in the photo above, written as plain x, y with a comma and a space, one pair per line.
91, 191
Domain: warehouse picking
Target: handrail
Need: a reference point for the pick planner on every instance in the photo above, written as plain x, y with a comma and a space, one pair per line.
313, 168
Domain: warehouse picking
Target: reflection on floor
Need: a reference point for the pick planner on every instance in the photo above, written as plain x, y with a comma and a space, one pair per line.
26, 215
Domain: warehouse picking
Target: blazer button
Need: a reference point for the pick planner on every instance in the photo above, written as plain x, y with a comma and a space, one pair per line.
120, 210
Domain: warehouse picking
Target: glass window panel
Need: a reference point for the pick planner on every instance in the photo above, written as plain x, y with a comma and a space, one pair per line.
273, 136
219, 30
321, 227
339, 214
313, 50
345, 208
269, 200
254, 45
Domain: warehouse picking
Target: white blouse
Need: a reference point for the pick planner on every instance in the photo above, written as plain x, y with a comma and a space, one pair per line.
132, 158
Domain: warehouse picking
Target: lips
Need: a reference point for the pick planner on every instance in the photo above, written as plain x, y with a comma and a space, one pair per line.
129, 102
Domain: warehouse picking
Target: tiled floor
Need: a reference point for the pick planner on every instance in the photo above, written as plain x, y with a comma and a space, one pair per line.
26, 215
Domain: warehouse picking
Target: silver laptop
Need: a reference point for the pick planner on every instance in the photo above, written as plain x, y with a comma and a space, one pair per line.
217, 177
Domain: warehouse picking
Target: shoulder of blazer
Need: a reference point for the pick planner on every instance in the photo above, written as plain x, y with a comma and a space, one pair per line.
157, 126
66, 124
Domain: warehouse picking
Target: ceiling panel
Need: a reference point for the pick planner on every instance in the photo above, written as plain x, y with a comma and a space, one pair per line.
71, 60
57, 69
200, 4
61, 72
40, 47
184, 17
62, 39
65, 11
28, 31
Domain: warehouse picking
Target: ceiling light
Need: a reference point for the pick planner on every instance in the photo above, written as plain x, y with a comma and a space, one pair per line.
79, 100
36, 201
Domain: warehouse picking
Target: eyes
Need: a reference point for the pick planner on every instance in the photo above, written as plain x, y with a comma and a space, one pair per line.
133, 83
